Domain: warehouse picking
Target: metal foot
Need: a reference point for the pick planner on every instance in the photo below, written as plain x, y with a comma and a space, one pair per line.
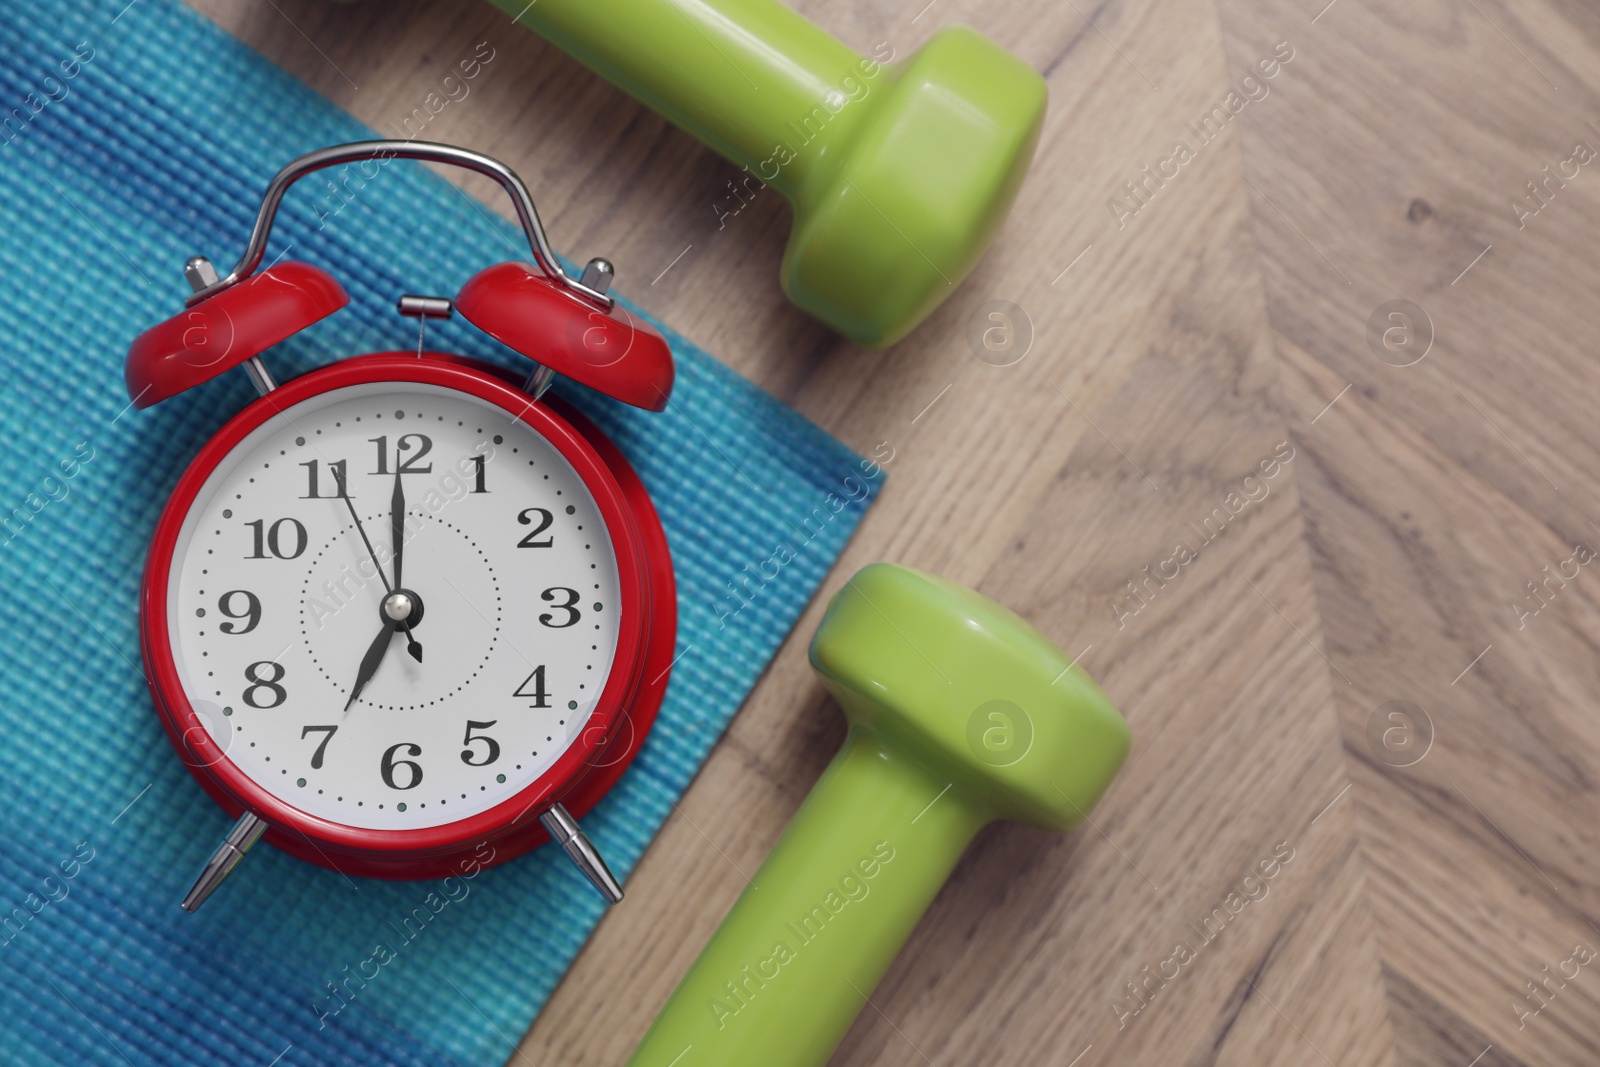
566, 832
246, 832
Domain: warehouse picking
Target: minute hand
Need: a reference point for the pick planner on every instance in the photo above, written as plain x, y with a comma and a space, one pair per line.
413, 646
397, 527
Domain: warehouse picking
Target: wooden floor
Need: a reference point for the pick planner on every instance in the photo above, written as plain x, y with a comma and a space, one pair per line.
1384, 667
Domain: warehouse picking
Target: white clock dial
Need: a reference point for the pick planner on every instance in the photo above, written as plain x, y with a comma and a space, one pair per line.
274, 602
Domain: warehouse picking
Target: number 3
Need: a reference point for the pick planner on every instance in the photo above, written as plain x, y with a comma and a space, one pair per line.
570, 607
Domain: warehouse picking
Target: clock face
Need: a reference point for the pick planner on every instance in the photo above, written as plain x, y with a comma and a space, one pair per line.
286, 563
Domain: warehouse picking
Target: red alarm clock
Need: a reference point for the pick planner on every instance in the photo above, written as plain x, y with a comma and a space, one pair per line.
407, 605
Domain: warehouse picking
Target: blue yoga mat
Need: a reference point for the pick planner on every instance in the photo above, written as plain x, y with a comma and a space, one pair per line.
131, 137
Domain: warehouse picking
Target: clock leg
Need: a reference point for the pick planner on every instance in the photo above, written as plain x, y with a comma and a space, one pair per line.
245, 833
202, 275
260, 377
565, 831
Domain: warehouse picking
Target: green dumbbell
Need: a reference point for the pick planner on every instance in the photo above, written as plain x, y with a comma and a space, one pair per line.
960, 714
899, 175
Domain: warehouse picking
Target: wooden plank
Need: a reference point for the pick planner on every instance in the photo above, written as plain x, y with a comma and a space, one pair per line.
1433, 492
1150, 395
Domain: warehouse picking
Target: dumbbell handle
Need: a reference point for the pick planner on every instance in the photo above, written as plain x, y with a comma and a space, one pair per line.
731, 72
807, 941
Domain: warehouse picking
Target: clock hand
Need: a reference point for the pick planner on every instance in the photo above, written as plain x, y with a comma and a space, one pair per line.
413, 646
369, 663
397, 525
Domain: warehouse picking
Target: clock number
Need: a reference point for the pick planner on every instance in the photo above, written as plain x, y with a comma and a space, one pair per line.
491, 754
405, 464
339, 481
570, 607
252, 675
545, 519
480, 462
252, 611
272, 541
408, 465
541, 699
316, 757
389, 763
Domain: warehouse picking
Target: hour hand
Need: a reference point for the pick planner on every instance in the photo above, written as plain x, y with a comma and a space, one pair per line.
369, 663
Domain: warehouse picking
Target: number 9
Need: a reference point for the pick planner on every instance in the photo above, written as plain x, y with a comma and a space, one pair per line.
252, 611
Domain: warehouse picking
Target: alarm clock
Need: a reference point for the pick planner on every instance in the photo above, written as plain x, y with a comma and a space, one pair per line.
407, 614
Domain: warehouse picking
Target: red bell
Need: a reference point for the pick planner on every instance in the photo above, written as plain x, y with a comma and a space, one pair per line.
224, 330
612, 350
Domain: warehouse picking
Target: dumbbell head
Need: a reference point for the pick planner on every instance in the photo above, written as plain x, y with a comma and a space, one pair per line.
961, 685
961, 714
886, 232
899, 175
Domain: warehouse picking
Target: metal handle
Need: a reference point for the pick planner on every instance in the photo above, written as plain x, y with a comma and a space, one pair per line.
426, 151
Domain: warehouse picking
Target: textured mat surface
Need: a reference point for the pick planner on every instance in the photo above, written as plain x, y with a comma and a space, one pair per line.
135, 140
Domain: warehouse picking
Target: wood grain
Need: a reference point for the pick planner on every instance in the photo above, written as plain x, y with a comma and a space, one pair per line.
1220, 326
